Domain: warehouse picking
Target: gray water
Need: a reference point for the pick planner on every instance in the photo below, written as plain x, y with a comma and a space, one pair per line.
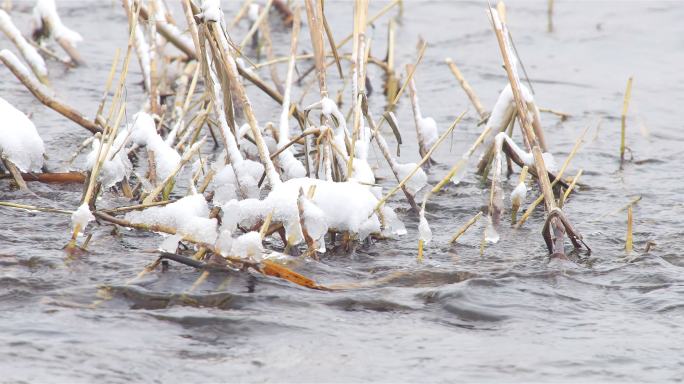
509, 315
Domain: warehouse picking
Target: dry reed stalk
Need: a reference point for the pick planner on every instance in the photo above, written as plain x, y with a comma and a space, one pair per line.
391, 81
420, 164
556, 223
45, 96
331, 39
34, 208
467, 89
262, 17
465, 227
162, 27
265, 30
384, 149
108, 83
16, 174
549, 16
229, 66
572, 185
417, 116
240, 14
53, 177
628, 238
623, 119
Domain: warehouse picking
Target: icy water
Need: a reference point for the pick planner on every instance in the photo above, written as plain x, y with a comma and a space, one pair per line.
509, 315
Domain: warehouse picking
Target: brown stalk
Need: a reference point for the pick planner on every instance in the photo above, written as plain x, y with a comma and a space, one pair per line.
45, 96
556, 223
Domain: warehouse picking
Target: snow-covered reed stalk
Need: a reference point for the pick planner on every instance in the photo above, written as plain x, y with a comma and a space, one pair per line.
45, 95
426, 127
229, 68
48, 23
360, 132
316, 31
416, 183
472, 96
168, 30
28, 52
558, 224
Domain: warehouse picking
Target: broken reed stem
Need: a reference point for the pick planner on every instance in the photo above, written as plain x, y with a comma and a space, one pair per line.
623, 119
467, 89
384, 149
556, 180
420, 164
45, 96
555, 238
549, 17
572, 185
628, 239
465, 227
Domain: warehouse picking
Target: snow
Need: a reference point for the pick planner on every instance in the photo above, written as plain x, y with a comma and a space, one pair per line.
527, 157
392, 225
314, 218
253, 12
189, 216
347, 206
211, 10
116, 167
428, 130
519, 193
81, 217
144, 132
417, 181
224, 242
19, 139
27, 51
170, 243
14, 61
47, 10
248, 246
424, 231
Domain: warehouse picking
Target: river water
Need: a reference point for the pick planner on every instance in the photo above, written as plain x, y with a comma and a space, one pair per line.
507, 315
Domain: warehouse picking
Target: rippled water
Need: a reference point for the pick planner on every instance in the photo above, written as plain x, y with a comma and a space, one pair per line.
506, 315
